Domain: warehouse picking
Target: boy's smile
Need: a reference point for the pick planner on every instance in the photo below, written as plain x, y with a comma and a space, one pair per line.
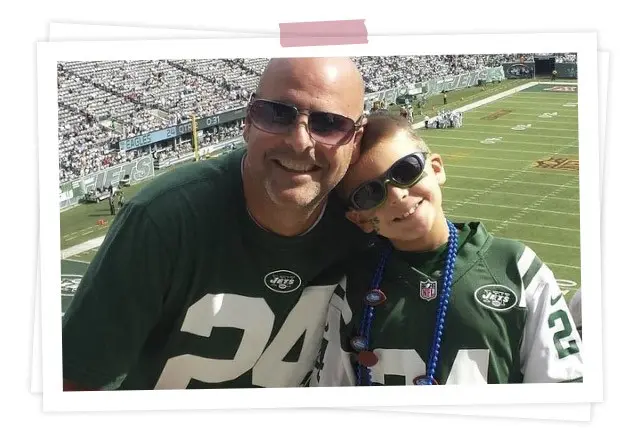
409, 213
411, 217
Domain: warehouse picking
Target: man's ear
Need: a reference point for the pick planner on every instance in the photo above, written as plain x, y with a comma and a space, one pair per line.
359, 220
435, 160
247, 121
246, 128
357, 140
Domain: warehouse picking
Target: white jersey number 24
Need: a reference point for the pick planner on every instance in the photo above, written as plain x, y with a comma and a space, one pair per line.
256, 319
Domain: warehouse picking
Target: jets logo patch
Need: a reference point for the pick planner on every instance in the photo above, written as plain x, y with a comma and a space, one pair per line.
496, 297
282, 281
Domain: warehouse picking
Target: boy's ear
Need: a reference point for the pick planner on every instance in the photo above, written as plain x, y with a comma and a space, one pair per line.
359, 220
438, 168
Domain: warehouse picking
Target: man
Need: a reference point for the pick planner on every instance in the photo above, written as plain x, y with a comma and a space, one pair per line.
211, 277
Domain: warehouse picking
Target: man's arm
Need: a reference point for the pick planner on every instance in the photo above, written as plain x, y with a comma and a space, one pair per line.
117, 304
551, 347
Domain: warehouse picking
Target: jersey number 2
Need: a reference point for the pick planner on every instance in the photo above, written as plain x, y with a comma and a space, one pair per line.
255, 318
563, 333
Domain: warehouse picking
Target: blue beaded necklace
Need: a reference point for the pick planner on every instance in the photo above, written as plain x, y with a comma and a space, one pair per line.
366, 358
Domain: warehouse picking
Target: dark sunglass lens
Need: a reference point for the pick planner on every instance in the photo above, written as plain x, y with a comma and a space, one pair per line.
330, 128
407, 170
328, 122
368, 196
272, 116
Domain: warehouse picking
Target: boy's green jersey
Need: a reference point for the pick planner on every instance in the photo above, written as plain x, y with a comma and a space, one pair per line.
507, 321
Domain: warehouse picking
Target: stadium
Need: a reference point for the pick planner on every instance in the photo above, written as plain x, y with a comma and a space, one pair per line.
506, 125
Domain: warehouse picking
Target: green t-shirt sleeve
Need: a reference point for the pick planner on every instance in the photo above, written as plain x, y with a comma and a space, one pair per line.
118, 301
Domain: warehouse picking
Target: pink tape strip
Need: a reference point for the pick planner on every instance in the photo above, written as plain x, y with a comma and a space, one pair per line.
323, 33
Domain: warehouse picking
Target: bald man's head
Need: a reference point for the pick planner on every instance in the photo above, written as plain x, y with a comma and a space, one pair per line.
339, 75
327, 85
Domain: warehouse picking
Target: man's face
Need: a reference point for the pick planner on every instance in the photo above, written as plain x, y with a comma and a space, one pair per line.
295, 169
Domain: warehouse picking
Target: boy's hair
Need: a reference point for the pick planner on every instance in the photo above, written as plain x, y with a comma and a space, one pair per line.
381, 126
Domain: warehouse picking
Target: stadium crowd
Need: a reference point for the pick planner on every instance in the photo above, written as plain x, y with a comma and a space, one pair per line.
103, 102
213, 136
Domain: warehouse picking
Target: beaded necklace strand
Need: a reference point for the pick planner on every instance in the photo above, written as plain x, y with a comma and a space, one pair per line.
366, 358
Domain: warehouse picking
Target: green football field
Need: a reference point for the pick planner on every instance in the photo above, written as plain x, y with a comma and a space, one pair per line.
512, 165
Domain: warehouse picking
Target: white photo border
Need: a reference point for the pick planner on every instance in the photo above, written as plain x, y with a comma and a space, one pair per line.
591, 390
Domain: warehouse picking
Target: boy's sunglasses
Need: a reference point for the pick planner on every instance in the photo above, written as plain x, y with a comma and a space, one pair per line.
404, 173
278, 118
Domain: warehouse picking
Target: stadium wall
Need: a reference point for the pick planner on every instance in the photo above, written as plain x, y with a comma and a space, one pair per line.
494, 98
567, 70
528, 70
203, 152
437, 85
72, 192
180, 130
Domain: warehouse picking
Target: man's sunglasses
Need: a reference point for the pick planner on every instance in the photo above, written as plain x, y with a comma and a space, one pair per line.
278, 118
404, 173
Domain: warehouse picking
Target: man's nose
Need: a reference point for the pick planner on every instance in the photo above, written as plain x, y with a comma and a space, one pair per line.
299, 138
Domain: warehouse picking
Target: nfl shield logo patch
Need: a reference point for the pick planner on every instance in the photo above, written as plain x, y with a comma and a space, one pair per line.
428, 290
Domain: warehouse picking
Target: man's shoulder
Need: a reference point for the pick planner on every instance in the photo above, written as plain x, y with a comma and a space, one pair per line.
204, 178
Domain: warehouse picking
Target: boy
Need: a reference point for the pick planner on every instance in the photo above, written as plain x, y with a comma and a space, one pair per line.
431, 302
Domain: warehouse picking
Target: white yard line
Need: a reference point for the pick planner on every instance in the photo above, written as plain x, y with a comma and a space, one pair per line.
513, 193
82, 247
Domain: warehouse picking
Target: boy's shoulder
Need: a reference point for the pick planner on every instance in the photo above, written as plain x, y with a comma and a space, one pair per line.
485, 244
507, 261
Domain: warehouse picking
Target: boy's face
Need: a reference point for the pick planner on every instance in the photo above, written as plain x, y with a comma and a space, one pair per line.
407, 213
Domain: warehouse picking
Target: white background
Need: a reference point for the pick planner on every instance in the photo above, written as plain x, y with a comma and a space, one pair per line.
28, 23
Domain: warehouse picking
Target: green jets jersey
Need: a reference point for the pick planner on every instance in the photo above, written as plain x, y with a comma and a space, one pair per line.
507, 321
188, 292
